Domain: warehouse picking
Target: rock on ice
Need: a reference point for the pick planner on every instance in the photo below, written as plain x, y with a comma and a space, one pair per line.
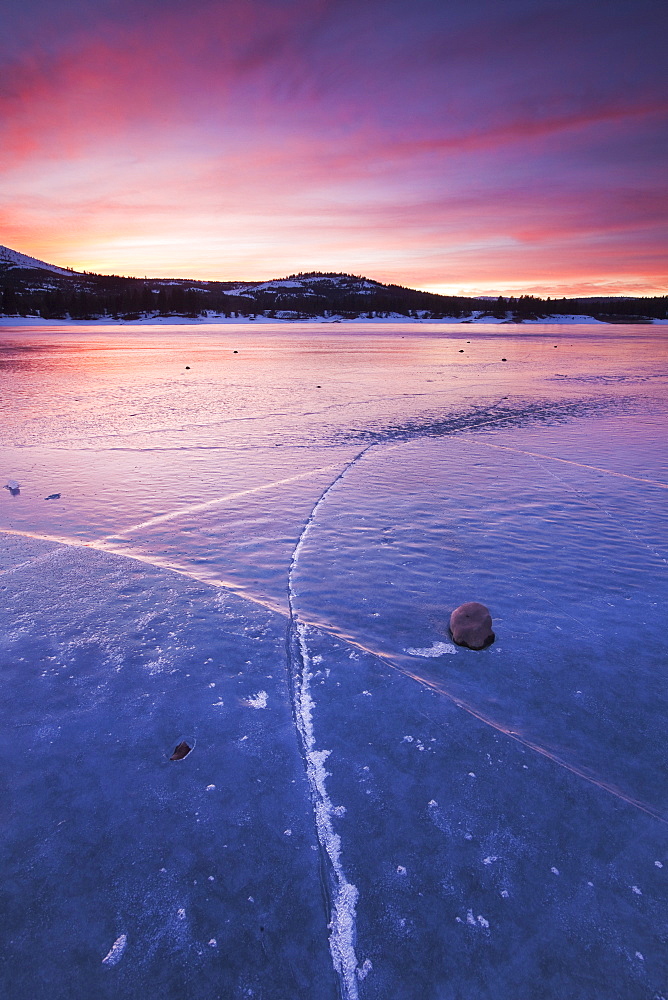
471, 625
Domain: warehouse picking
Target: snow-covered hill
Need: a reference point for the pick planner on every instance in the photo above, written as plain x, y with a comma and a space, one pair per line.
12, 258
310, 284
32, 288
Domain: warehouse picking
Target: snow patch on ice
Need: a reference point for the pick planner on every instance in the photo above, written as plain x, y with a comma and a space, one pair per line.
115, 953
436, 649
258, 700
478, 921
158, 666
365, 969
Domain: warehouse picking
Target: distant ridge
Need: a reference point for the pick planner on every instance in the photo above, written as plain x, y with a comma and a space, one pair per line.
12, 258
33, 288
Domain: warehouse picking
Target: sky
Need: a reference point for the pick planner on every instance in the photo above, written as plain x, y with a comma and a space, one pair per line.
461, 146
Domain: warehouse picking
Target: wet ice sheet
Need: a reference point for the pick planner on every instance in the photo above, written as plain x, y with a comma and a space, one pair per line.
386, 814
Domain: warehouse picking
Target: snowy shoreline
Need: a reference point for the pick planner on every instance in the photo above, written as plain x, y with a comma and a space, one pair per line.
260, 320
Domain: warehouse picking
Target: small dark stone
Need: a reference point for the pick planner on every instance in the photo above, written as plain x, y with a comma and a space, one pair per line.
53, 496
471, 625
187, 368
504, 359
235, 352
318, 387
461, 351
181, 751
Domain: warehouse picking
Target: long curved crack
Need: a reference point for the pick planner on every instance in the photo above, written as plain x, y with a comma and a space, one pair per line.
342, 895
330, 629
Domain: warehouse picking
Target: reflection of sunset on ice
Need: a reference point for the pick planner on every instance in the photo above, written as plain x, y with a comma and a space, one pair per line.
259, 560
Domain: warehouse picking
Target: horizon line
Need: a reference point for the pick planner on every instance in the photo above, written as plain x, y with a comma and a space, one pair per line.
430, 289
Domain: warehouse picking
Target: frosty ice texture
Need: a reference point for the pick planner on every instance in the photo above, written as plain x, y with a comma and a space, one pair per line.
265, 570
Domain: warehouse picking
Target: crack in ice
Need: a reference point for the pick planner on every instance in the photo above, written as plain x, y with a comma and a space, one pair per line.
329, 629
343, 895
104, 545
207, 504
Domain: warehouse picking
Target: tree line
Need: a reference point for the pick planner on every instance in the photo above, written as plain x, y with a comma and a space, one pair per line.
98, 296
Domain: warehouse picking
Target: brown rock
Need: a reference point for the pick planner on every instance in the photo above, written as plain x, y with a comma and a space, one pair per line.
182, 750
471, 625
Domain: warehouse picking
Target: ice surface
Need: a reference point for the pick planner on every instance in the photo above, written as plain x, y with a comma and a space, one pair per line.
259, 556
109, 667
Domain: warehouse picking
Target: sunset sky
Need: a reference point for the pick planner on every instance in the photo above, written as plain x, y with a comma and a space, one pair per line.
476, 146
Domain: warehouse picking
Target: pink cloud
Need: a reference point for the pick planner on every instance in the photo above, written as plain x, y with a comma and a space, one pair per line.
259, 138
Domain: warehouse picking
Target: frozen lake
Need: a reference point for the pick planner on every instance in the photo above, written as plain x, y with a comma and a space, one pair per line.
259, 537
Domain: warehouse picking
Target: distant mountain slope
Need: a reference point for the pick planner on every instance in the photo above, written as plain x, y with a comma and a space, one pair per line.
14, 259
313, 284
31, 287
